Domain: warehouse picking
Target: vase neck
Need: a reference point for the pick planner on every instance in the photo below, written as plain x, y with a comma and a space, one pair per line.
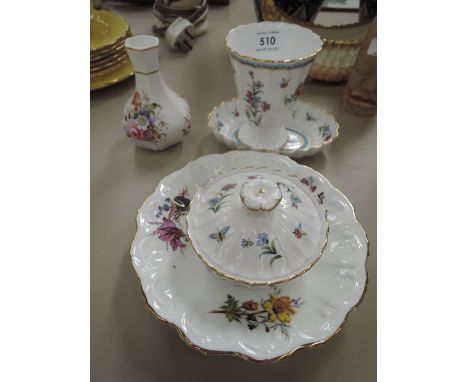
151, 84
144, 53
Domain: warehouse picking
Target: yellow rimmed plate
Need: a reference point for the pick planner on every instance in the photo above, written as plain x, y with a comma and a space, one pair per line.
112, 75
117, 48
108, 63
107, 29
108, 58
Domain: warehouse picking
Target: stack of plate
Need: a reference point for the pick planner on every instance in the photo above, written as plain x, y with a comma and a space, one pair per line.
109, 60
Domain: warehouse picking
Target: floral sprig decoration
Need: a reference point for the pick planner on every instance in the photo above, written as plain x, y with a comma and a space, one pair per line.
253, 97
143, 120
217, 201
299, 232
273, 313
293, 97
325, 132
246, 243
310, 182
267, 247
168, 215
293, 197
170, 233
285, 82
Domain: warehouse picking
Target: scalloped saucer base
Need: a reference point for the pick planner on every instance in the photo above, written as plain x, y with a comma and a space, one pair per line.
310, 128
217, 316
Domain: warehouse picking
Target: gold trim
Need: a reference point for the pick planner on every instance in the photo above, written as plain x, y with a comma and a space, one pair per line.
120, 43
117, 50
346, 43
263, 60
251, 64
279, 151
107, 64
123, 70
126, 34
108, 57
257, 283
154, 71
310, 345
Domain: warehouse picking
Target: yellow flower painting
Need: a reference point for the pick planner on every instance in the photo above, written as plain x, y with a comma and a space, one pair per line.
271, 314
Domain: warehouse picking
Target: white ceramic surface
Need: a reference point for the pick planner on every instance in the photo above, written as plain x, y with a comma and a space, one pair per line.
257, 227
218, 317
155, 117
310, 128
270, 61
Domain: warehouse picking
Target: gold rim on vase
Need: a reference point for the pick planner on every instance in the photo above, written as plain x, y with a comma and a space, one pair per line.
297, 60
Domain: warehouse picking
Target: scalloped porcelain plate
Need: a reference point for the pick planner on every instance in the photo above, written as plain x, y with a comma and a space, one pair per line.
217, 316
310, 128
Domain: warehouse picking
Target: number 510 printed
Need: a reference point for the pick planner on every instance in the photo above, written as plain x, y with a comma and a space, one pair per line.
267, 40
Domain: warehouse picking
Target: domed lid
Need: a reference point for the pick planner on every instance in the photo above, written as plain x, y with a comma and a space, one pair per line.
257, 226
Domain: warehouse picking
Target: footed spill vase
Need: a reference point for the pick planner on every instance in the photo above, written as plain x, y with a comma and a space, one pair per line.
270, 61
155, 117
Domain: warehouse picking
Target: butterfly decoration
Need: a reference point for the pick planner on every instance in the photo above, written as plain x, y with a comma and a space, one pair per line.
220, 235
285, 82
298, 232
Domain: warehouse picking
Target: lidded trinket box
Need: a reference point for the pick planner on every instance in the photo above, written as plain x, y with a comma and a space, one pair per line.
257, 227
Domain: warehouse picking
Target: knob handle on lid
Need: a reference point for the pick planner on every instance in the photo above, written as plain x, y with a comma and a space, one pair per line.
260, 194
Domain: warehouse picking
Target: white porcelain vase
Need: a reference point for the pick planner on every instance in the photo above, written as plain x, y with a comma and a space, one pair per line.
270, 61
155, 117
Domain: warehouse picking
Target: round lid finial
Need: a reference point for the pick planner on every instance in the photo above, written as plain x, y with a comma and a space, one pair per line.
260, 194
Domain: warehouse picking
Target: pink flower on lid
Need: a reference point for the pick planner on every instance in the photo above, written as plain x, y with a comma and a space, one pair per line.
229, 186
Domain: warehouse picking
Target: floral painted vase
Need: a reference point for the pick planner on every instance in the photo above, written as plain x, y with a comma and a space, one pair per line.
270, 62
155, 117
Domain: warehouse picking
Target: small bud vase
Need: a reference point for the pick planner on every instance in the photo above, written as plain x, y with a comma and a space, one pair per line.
155, 117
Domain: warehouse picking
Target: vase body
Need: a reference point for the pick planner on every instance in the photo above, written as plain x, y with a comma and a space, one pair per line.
270, 62
154, 117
